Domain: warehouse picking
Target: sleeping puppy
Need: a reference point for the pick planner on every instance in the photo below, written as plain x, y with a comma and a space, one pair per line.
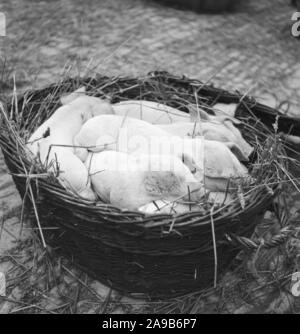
224, 132
215, 162
220, 127
130, 181
53, 142
66, 122
158, 113
152, 112
117, 133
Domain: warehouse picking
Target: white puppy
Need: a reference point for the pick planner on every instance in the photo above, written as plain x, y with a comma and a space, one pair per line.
130, 181
53, 143
66, 122
152, 112
119, 134
224, 132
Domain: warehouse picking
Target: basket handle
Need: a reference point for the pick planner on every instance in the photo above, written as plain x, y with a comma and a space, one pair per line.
251, 245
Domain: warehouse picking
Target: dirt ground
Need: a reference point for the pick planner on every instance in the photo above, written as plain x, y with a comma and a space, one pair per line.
251, 50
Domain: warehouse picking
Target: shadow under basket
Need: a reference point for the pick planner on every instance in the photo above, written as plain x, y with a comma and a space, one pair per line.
161, 255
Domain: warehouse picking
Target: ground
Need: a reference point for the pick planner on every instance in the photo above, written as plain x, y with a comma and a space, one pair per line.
251, 50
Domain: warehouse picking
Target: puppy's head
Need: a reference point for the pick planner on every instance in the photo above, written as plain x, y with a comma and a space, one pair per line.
89, 106
69, 98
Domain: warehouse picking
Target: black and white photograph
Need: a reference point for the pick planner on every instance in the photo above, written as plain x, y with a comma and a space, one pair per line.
149, 159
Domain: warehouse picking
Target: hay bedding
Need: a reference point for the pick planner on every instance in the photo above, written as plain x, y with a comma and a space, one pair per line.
160, 255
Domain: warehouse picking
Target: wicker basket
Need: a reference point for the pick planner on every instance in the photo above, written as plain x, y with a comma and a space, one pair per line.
159, 255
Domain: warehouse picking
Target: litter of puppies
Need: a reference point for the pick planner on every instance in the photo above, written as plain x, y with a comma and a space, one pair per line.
143, 155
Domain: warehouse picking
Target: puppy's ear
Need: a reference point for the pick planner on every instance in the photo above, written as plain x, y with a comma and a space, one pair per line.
236, 150
66, 99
